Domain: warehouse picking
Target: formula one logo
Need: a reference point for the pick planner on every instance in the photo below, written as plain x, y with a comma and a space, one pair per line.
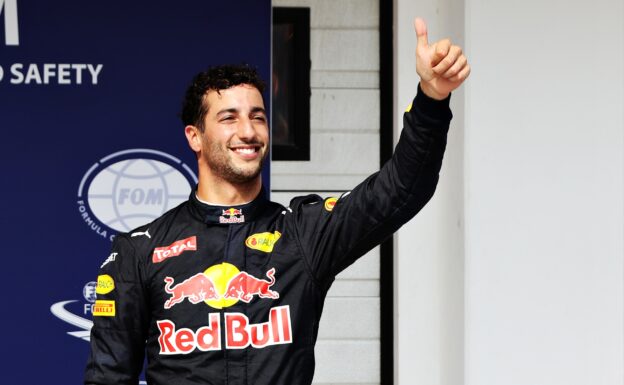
330, 203
63, 311
263, 241
11, 29
232, 215
220, 286
239, 333
130, 188
174, 249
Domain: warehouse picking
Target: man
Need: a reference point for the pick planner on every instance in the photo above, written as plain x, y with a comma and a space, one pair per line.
228, 288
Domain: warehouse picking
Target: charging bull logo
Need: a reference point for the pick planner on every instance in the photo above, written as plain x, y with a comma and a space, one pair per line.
220, 286
244, 286
196, 289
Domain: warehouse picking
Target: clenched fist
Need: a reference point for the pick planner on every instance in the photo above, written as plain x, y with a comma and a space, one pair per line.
442, 66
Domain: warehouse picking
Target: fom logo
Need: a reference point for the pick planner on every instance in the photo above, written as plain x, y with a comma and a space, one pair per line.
11, 30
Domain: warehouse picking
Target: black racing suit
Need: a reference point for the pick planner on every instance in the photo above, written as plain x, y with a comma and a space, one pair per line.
233, 295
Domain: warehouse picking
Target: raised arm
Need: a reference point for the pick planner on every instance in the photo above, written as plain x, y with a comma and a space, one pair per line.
332, 239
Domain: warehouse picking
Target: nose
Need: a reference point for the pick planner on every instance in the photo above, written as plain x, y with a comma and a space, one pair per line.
246, 130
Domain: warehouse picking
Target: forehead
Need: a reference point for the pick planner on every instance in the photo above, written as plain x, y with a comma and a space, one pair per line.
241, 97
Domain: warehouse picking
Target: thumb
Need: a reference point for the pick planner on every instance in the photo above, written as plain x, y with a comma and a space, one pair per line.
421, 32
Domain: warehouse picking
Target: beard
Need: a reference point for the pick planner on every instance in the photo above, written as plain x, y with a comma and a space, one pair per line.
221, 163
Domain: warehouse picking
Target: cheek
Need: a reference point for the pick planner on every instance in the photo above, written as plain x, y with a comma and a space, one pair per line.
263, 134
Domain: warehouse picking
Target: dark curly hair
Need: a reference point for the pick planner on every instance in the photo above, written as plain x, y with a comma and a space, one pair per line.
215, 78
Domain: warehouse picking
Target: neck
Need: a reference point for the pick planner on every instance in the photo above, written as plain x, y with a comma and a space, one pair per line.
227, 194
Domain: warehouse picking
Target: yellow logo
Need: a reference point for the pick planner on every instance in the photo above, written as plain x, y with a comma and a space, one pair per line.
263, 241
330, 203
103, 308
220, 275
105, 284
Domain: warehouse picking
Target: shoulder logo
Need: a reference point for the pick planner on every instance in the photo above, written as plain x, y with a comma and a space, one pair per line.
139, 233
129, 188
174, 249
263, 241
330, 203
105, 284
111, 258
103, 308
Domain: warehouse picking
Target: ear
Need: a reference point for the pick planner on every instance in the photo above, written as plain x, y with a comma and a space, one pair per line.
194, 137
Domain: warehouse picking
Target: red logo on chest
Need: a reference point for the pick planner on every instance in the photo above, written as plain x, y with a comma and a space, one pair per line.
174, 249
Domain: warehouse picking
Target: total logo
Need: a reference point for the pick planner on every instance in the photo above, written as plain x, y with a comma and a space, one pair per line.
221, 286
77, 318
129, 188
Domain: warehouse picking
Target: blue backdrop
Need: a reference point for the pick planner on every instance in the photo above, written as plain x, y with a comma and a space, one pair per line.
92, 145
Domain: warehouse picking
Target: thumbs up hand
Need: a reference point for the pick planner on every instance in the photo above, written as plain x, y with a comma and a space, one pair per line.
442, 66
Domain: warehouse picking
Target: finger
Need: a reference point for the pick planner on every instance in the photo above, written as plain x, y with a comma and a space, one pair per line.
449, 58
421, 33
462, 75
459, 64
440, 50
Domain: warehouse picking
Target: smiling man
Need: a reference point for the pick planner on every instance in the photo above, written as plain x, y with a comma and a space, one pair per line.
228, 287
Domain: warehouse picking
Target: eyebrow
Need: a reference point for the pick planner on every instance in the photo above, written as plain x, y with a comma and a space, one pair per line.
235, 111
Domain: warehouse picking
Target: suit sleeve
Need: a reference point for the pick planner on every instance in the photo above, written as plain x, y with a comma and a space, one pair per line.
332, 239
120, 319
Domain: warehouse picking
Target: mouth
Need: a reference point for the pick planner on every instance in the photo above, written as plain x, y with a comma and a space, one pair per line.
247, 151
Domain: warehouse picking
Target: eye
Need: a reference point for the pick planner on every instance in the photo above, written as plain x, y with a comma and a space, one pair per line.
227, 118
260, 118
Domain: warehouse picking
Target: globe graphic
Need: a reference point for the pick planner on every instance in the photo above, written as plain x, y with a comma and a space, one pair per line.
133, 192
88, 291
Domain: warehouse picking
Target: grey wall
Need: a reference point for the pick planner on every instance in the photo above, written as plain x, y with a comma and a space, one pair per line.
534, 181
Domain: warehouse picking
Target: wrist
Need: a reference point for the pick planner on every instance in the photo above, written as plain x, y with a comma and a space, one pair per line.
431, 92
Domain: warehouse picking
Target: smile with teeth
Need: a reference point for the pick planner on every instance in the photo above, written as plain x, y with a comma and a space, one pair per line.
246, 151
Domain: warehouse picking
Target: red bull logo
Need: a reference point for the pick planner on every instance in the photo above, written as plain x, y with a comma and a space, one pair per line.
196, 289
220, 286
239, 333
232, 215
244, 286
174, 249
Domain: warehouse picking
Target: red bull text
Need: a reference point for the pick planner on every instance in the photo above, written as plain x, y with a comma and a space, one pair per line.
239, 333
232, 215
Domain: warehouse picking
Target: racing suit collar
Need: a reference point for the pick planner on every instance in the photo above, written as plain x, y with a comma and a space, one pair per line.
226, 215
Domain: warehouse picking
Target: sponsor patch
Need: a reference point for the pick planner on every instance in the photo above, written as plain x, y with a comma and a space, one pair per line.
105, 284
232, 215
330, 203
240, 333
263, 241
103, 308
220, 286
174, 249
111, 258
140, 233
